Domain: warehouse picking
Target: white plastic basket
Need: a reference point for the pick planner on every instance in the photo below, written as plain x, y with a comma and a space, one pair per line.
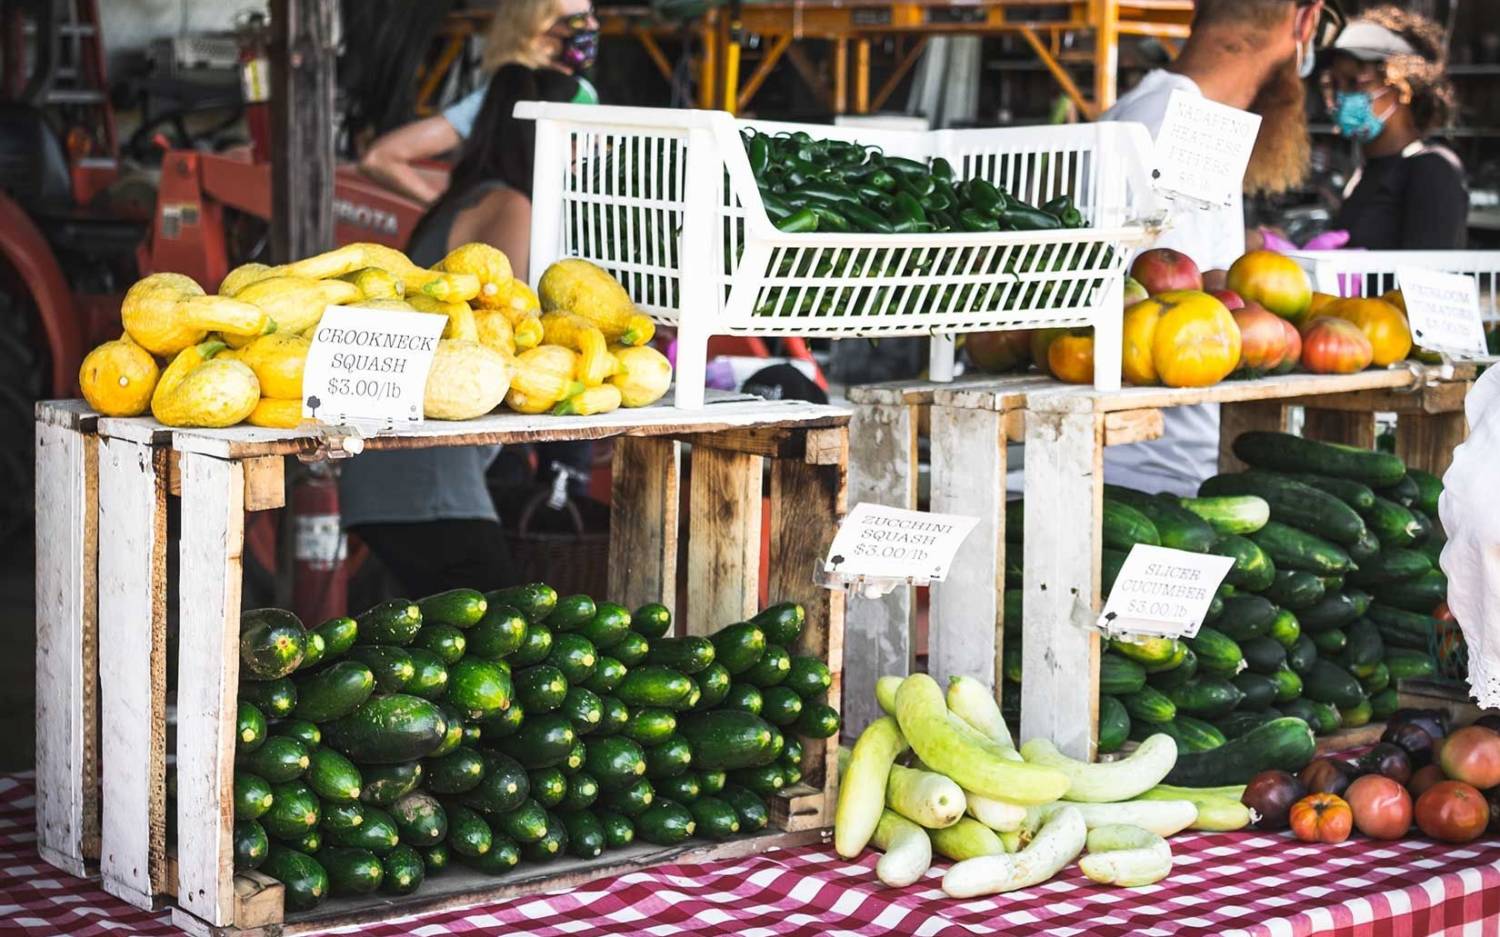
665, 200
1372, 273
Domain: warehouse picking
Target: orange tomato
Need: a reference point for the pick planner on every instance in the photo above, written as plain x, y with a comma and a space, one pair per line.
1319, 301
1382, 323
1273, 280
1335, 346
1070, 357
1041, 342
1263, 344
1184, 338
1322, 818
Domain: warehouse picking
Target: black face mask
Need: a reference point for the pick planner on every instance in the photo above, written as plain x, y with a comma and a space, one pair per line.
580, 48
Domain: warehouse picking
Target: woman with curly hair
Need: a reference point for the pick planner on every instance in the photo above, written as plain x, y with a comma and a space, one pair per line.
1388, 91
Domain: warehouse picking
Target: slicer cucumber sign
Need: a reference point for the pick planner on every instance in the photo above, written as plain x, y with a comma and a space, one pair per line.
369, 364
1160, 591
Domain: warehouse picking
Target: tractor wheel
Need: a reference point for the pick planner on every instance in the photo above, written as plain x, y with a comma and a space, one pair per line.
23, 375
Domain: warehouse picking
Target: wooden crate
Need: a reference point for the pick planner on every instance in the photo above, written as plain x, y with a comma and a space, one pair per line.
1066, 432
111, 516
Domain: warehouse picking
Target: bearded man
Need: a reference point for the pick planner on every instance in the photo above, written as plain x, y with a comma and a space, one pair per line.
1252, 55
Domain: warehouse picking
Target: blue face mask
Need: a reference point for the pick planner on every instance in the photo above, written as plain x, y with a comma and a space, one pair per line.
1354, 115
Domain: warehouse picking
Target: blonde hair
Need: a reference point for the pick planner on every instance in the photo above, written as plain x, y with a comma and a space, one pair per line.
516, 30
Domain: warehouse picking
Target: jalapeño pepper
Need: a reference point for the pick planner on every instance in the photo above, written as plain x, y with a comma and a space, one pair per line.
882, 179
972, 219
776, 206
938, 200
802, 221
1019, 217
942, 169
828, 218
906, 208
828, 192
863, 219
1063, 209
941, 220
907, 168
760, 155
984, 197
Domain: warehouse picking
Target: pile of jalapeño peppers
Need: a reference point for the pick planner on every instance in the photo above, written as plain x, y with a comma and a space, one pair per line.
828, 185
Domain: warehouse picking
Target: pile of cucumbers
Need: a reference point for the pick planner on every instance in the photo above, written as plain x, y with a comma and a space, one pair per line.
1328, 605
506, 727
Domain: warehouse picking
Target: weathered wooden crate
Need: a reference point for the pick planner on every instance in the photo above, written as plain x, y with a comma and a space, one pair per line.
103, 486
1066, 432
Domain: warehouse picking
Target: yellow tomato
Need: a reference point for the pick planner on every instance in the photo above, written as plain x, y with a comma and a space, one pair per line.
1184, 338
1382, 323
1070, 357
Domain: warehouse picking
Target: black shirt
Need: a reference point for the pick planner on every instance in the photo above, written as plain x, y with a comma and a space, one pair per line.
1415, 202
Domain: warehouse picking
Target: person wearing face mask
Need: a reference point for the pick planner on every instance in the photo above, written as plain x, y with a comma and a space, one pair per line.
1252, 55
559, 34
1387, 91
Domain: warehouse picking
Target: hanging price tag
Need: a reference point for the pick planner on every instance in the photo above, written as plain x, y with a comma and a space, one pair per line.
1443, 309
369, 364
1202, 149
1163, 592
879, 542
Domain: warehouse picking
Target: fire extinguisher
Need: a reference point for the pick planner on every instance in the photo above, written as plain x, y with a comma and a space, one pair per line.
320, 549
255, 83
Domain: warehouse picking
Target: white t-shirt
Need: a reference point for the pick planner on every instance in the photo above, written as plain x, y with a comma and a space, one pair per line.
1188, 450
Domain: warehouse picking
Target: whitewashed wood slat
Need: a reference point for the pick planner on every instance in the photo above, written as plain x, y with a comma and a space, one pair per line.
67, 646
881, 631
1060, 656
213, 534
132, 669
965, 633
724, 527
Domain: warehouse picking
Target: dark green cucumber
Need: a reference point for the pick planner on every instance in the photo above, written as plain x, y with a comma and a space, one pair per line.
1259, 690
468, 833
540, 689
1285, 628
391, 666
738, 647
1235, 724
1426, 528
445, 641
782, 623
275, 698
336, 817
1404, 492
714, 682
552, 845
503, 855
536, 644
1176, 526
1384, 704
619, 830
818, 721
252, 796
351, 871
1301, 708
1293, 503
683, 788
1217, 653
1149, 706
1119, 674
632, 649
1406, 664
1399, 628
436, 859
686, 655
535, 601
1429, 488
1124, 526
1327, 682
585, 834
460, 608
1366, 548
656, 686
1111, 562
1330, 642
338, 634
1357, 715
333, 777
272, 643
503, 787
616, 716
386, 784
1286, 744
571, 613
576, 755
651, 726
496, 725
668, 759
250, 845
389, 730
716, 819
1355, 494
1264, 656
394, 621
752, 810
583, 790
608, 672
1288, 685
293, 813
1196, 735
1364, 650
1295, 589
1165, 680
429, 674
615, 763
723, 740
525, 824
1290, 548
665, 823
610, 623
498, 634
404, 871
542, 741
1300, 656
1420, 594
1207, 697
279, 760
712, 782
250, 730
303, 878
456, 772
1245, 617
774, 666
1377, 680
631, 801
1392, 523
314, 649
1114, 723
574, 655
1334, 610
1287, 453
454, 737
1392, 565
477, 688
584, 709
765, 781
1252, 570
548, 786
652, 620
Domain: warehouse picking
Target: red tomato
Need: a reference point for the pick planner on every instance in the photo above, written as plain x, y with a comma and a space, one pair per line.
1472, 755
1453, 812
1381, 807
1334, 346
1326, 818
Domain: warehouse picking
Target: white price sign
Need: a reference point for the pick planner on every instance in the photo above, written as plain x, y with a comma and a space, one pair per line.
369, 364
1161, 591
1443, 309
879, 542
1203, 147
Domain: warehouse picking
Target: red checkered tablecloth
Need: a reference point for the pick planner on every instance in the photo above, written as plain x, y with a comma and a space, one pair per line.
1222, 885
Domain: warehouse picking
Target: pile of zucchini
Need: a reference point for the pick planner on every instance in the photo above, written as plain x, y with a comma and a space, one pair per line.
507, 727
1328, 605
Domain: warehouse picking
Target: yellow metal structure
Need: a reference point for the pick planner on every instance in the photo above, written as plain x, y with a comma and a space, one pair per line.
1049, 27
